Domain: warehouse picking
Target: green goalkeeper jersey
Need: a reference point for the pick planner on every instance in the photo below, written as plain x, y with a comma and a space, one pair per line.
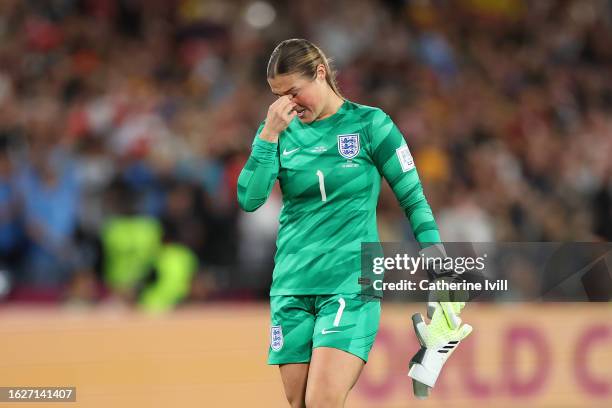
330, 175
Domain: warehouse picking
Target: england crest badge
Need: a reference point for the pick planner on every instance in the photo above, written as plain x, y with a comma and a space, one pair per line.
276, 338
348, 145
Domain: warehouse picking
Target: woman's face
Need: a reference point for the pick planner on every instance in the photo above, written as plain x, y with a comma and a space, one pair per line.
308, 94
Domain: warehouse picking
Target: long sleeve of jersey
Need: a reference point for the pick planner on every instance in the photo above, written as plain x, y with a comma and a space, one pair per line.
258, 175
394, 161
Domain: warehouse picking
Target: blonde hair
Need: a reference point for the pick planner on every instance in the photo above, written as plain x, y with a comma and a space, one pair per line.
299, 56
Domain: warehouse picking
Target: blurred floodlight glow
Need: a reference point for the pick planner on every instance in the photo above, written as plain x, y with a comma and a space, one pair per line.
260, 14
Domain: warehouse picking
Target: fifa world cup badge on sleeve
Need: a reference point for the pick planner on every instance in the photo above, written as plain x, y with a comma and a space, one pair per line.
276, 338
348, 145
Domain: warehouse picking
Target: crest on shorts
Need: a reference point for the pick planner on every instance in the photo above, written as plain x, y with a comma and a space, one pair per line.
348, 145
276, 338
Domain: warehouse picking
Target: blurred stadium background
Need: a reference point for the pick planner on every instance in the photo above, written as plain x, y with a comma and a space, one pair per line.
126, 267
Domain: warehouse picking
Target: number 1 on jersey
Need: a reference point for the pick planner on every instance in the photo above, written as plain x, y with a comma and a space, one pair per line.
322, 185
339, 312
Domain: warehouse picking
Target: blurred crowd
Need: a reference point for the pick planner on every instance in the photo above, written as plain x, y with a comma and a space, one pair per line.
124, 125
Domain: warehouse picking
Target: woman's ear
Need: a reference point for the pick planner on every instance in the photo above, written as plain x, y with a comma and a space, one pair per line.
321, 72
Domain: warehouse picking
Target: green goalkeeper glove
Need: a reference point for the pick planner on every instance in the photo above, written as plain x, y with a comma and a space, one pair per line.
438, 340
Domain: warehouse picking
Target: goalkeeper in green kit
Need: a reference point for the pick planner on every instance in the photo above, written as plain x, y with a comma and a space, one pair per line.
329, 155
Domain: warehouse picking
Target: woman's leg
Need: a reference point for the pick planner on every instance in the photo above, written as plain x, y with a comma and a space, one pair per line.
294, 378
331, 376
292, 321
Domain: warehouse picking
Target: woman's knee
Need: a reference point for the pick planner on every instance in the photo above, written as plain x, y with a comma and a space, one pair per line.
324, 397
294, 377
296, 397
296, 400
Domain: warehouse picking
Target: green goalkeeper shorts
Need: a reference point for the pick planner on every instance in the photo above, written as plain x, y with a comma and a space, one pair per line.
302, 323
